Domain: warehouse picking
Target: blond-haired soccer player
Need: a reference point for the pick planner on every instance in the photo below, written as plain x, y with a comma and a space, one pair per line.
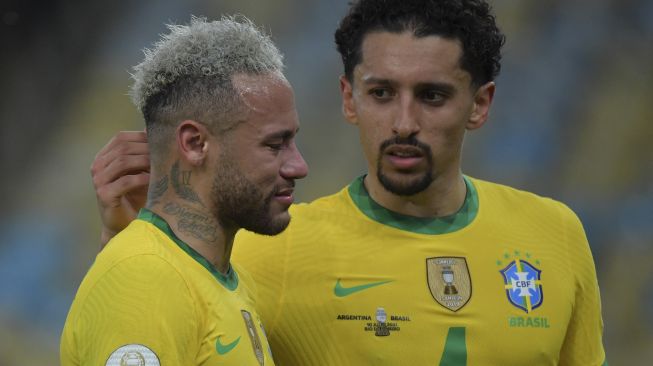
221, 123
414, 263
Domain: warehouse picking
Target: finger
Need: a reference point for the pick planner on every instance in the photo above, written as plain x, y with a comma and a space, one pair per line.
120, 166
125, 148
121, 138
110, 194
117, 151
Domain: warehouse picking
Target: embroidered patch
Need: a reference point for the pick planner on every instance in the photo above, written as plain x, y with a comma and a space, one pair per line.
133, 355
449, 281
253, 336
522, 281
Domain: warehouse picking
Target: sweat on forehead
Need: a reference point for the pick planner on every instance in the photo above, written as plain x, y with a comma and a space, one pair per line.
250, 87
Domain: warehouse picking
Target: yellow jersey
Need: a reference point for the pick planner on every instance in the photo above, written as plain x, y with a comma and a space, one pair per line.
507, 280
150, 299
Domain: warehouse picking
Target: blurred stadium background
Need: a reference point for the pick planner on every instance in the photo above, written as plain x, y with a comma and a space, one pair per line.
572, 120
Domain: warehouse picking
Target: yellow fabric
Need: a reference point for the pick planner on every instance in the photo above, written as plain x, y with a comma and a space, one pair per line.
330, 243
143, 289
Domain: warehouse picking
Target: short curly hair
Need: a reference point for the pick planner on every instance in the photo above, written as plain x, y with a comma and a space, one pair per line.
188, 74
469, 21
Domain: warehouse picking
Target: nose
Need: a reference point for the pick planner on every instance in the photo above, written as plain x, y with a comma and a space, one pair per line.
406, 122
295, 166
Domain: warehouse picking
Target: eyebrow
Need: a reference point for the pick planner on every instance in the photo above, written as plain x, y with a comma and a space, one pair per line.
374, 80
284, 134
445, 87
442, 87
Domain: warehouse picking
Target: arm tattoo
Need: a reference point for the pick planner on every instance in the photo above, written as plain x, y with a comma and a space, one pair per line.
157, 190
183, 188
193, 222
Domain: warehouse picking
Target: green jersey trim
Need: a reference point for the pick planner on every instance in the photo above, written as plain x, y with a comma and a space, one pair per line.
229, 281
420, 225
455, 348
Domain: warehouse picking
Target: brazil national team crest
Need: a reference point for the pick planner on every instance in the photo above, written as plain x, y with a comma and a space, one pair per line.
449, 281
523, 286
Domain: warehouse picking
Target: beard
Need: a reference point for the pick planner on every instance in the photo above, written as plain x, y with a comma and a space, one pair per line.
240, 203
405, 186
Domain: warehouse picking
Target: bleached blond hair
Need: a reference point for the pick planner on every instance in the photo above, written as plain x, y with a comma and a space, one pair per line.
188, 73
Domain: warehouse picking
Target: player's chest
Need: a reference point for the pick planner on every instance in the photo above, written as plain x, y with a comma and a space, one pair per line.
396, 303
233, 333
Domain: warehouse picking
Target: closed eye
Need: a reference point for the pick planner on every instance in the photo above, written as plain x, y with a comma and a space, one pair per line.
275, 146
279, 140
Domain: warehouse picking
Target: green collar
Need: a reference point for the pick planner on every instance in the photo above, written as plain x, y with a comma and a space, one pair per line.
230, 280
420, 225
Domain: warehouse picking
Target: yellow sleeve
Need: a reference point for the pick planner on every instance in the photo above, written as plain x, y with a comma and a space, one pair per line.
141, 307
583, 345
264, 258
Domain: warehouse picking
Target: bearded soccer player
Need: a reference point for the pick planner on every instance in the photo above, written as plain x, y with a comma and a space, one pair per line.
415, 263
221, 123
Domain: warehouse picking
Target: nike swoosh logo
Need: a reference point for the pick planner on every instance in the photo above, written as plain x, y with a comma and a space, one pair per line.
225, 348
341, 291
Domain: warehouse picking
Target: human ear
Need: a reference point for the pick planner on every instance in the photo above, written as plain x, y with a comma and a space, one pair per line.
481, 108
348, 104
192, 142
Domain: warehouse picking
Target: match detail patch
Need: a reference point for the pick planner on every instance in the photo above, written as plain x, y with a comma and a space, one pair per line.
133, 355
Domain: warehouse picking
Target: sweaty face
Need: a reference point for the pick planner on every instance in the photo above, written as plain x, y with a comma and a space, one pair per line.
412, 103
259, 161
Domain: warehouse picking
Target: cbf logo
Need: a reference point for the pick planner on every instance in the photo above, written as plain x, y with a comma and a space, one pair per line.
523, 285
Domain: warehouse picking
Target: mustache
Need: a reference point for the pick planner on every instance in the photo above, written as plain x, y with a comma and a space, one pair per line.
290, 183
410, 141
